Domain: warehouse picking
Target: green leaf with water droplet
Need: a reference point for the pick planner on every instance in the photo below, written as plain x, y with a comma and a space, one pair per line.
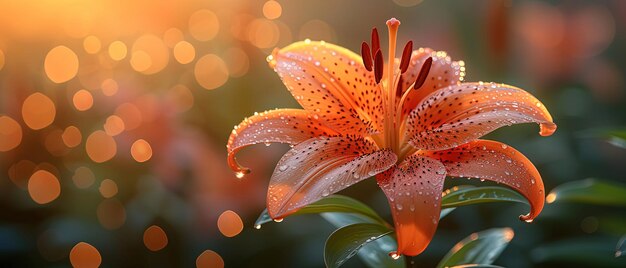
590, 191
467, 195
333, 203
345, 242
478, 248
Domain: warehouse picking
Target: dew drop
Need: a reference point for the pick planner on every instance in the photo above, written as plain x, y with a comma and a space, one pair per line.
504, 146
394, 255
398, 206
258, 226
325, 193
283, 167
278, 219
239, 174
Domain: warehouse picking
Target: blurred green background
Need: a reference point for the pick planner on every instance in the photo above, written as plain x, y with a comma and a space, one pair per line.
114, 118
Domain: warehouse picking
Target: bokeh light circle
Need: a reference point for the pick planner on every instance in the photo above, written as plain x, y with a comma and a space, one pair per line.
141, 151
83, 177
71, 136
108, 188
150, 54
114, 125
38, 111
155, 238
209, 259
84, 255
10, 133
92, 44
237, 61
263, 33
211, 71
43, 187
184, 52
229, 223
272, 10
100, 146
83, 100
117, 50
203, 25
61, 64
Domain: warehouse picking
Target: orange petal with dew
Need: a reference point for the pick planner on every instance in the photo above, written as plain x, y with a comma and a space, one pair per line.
322, 166
290, 126
413, 190
495, 161
461, 113
332, 82
443, 72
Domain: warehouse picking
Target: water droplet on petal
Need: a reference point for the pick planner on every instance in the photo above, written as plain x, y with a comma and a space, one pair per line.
258, 226
278, 219
283, 167
239, 174
394, 255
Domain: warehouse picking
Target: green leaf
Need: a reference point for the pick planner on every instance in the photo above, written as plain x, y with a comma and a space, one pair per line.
590, 191
617, 138
375, 253
620, 249
345, 242
333, 203
478, 248
467, 195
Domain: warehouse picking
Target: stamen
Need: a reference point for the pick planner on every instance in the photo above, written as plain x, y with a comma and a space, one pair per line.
421, 78
406, 57
366, 55
375, 41
378, 66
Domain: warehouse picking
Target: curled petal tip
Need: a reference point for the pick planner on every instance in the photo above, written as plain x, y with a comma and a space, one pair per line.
526, 218
547, 129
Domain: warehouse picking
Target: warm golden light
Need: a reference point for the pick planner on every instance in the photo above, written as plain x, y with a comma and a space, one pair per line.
111, 214
263, 33
141, 150
237, 61
71, 136
83, 177
84, 255
10, 133
83, 100
172, 36
114, 125
229, 223
130, 114
100, 147
184, 52
117, 50
43, 187
38, 111
211, 71
551, 198
108, 188
150, 54
61, 64
203, 25
155, 238
317, 30
109, 87
209, 259
92, 44
272, 10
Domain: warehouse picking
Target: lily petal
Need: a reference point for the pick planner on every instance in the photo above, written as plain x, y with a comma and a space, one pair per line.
443, 72
413, 190
331, 81
495, 161
290, 126
461, 113
322, 166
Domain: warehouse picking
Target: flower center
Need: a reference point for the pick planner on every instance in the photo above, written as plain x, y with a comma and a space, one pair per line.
392, 89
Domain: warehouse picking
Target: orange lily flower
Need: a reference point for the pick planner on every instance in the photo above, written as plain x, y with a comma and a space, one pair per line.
410, 123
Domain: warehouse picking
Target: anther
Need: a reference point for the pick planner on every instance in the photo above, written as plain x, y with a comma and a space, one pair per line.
406, 57
399, 87
375, 41
421, 78
366, 55
378, 66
